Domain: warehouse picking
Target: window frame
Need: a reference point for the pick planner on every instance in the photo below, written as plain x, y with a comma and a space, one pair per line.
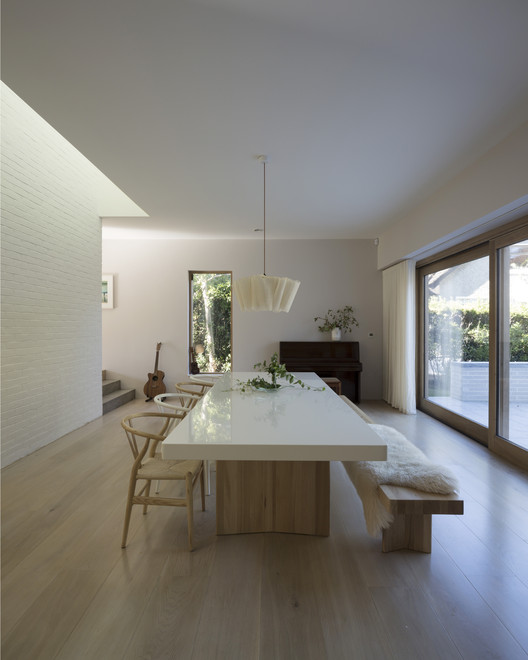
190, 316
488, 243
467, 426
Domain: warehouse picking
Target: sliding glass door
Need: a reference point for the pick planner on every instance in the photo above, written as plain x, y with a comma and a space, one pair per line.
473, 340
457, 339
512, 391
456, 303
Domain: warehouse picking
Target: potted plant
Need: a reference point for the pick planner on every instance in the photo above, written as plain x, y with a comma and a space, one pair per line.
343, 320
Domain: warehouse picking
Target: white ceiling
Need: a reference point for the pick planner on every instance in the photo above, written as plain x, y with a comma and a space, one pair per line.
364, 107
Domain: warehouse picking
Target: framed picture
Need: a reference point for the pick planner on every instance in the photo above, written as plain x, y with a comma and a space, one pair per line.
107, 290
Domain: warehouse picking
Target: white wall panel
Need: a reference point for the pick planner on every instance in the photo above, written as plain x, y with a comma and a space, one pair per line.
51, 290
151, 298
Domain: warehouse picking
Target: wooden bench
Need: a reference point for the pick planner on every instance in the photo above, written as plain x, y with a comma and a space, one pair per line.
412, 510
356, 409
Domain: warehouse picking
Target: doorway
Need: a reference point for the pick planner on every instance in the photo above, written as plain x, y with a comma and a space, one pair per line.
473, 340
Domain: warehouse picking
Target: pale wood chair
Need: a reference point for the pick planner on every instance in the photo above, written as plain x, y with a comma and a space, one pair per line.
197, 386
148, 467
176, 401
194, 387
208, 379
183, 403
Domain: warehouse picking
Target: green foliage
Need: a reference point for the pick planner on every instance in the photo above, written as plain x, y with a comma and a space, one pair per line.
519, 335
343, 319
474, 324
462, 333
276, 370
212, 320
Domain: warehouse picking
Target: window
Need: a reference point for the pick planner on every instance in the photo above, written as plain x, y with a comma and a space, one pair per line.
210, 311
457, 338
512, 372
473, 339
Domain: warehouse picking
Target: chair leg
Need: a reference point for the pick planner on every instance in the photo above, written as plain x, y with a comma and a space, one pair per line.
202, 487
189, 499
208, 476
128, 511
147, 493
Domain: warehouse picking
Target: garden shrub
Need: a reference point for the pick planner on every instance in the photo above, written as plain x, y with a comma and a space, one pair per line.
462, 334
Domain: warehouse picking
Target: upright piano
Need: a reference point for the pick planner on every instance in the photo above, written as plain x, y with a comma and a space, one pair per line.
334, 359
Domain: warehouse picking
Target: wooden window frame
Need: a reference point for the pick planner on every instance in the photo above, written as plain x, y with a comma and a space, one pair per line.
486, 244
189, 311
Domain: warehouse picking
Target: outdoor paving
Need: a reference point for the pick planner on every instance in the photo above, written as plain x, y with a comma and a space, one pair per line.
477, 411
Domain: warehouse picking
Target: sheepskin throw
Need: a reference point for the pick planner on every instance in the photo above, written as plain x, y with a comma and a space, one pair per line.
406, 466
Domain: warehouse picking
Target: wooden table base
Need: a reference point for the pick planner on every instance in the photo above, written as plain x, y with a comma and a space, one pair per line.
273, 496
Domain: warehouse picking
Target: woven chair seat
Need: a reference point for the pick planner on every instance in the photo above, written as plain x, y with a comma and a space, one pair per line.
159, 468
149, 466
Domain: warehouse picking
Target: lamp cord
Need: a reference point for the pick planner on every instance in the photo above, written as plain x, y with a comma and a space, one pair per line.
264, 217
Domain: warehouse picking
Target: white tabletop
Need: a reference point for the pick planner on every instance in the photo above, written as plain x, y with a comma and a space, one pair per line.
289, 424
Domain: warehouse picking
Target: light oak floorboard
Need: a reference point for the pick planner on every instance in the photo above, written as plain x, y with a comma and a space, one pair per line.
229, 625
69, 590
290, 617
348, 615
475, 628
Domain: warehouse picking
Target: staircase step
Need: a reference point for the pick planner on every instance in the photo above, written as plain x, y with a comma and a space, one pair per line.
117, 398
111, 386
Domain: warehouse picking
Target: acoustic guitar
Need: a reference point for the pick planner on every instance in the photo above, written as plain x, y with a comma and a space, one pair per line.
155, 384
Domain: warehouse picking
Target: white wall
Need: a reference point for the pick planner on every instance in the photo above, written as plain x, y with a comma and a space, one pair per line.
51, 285
151, 298
489, 191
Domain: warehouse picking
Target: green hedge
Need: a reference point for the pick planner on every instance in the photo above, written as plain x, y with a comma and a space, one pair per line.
462, 334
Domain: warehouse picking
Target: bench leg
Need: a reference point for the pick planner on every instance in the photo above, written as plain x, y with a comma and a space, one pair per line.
412, 532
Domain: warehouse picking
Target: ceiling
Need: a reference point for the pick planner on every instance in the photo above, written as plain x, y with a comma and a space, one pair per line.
364, 107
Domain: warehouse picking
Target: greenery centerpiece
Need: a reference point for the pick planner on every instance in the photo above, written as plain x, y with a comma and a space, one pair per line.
342, 319
275, 370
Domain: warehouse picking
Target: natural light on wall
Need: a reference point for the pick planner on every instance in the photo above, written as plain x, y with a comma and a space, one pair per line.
109, 200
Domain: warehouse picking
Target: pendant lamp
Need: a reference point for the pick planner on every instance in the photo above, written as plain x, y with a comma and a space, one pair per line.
263, 293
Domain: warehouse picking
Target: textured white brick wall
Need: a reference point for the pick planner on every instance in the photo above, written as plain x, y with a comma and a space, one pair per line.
51, 285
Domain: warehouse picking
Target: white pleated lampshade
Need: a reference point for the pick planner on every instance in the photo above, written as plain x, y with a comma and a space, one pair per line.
262, 293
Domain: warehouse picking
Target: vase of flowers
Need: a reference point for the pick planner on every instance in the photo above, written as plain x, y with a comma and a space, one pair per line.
342, 320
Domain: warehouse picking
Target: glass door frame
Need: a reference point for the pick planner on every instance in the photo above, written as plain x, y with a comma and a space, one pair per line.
496, 443
486, 244
467, 426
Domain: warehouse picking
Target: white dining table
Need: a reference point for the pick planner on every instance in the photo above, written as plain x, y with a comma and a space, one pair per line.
272, 451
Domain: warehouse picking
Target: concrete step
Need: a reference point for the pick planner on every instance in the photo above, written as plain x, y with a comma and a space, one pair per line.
117, 398
111, 386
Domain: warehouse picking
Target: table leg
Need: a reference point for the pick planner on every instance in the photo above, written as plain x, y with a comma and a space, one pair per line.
273, 496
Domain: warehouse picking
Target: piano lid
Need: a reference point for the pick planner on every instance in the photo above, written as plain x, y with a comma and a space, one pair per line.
329, 351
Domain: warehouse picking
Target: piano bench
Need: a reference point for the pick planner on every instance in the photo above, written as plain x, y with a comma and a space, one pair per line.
333, 384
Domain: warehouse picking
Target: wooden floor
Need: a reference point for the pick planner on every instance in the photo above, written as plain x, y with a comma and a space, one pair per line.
70, 592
